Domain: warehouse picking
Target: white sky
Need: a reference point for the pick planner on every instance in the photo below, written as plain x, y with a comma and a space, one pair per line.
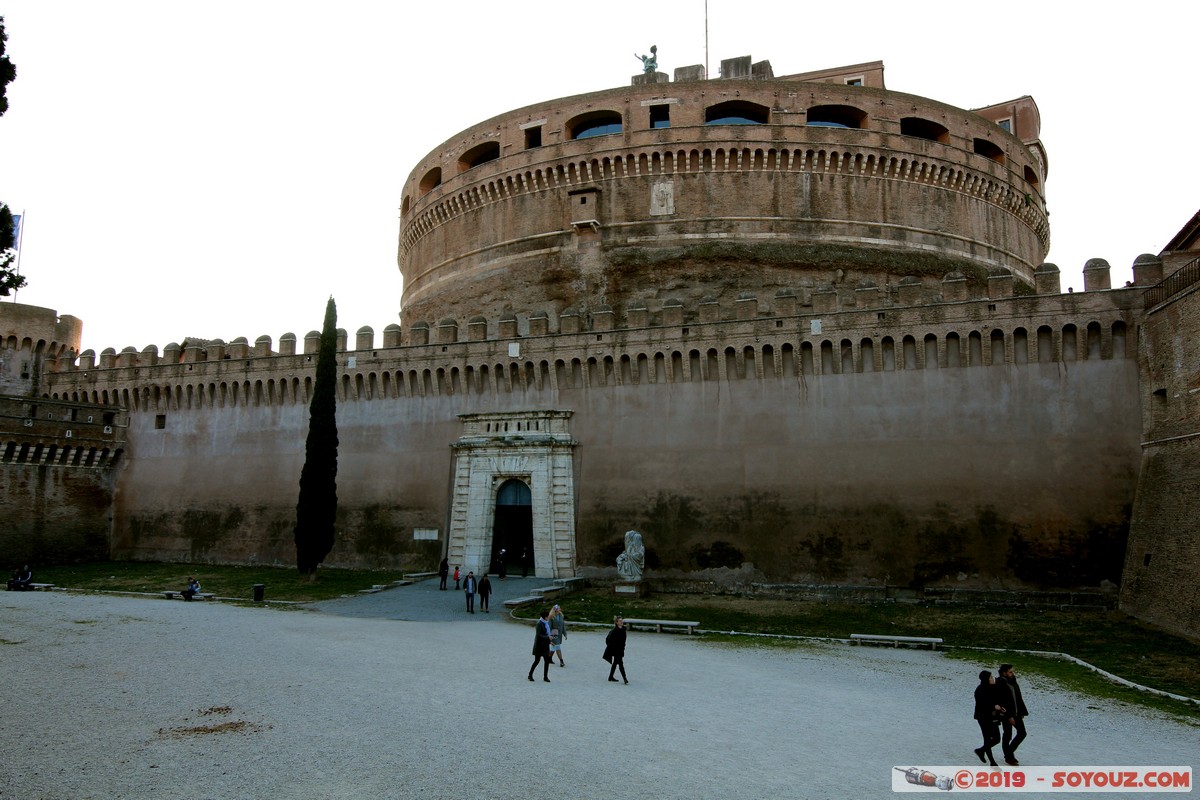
218, 169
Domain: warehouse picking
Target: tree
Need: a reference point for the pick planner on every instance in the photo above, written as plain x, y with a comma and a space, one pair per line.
9, 279
8, 70
317, 506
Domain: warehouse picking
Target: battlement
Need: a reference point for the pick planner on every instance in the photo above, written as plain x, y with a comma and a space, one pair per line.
792, 336
813, 297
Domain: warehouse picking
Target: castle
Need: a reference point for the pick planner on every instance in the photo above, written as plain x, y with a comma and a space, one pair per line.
801, 321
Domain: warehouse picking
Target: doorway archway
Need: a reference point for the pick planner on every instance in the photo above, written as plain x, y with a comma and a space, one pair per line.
514, 487
512, 527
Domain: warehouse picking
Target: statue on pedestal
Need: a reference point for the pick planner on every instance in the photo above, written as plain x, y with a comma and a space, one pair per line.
650, 62
632, 563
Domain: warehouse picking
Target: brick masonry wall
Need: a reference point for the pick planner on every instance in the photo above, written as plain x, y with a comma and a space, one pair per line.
54, 514
996, 438
905, 477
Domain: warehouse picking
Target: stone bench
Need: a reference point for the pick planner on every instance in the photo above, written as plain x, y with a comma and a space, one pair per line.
517, 602
379, 587
40, 587
171, 595
659, 624
571, 584
418, 576
896, 641
547, 592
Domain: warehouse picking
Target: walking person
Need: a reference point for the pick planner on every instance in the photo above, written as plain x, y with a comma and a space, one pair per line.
456, 586
443, 573
485, 591
469, 589
558, 634
541, 647
614, 649
525, 563
1010, 690
500, 564
988, 711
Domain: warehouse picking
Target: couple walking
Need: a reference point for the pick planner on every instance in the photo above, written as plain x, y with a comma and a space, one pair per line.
482, 587
998, 702
550, 631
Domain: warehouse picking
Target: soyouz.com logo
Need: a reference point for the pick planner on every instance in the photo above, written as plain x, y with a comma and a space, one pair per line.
1042, 779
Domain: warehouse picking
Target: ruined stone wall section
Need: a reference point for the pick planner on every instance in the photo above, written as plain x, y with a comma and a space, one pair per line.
1062, 328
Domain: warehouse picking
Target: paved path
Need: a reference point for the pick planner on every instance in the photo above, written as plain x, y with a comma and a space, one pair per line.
113, 697
423, 601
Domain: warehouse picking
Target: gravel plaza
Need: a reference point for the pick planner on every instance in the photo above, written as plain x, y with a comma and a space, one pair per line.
401, 694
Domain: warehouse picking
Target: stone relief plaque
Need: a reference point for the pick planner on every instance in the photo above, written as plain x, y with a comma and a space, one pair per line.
662, 199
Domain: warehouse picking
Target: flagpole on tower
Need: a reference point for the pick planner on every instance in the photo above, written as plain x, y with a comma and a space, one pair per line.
20, 236
706, 39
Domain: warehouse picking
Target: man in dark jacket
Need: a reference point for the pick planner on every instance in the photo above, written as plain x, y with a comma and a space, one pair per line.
614, 649
1010, 690
469, 587
988, 710
541, 646
485, 591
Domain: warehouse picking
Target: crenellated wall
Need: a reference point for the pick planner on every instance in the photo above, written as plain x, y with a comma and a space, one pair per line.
795, 335
872, 442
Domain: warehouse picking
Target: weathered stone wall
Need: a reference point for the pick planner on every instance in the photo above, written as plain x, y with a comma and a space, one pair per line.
996, 438
58, 467
1163, 559
221, 484
904, 477
51, 514
900, 478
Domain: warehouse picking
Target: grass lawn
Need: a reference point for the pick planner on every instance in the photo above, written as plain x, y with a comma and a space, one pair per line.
222, 580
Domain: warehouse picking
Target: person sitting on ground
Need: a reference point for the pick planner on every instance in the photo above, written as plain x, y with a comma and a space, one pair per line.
21, 580
193, 589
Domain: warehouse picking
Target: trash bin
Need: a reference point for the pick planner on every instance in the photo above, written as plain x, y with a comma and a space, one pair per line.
259, 588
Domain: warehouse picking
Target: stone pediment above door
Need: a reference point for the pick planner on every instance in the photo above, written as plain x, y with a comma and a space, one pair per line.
516, 427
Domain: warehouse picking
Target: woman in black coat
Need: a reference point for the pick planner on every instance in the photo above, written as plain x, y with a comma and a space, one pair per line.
541, 646
988, 712
614, 649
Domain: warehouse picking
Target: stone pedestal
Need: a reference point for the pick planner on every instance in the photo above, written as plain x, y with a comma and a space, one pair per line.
631, 589
645, 78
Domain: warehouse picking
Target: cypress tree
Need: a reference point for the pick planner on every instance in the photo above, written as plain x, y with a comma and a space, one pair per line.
9, 279
317, 506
